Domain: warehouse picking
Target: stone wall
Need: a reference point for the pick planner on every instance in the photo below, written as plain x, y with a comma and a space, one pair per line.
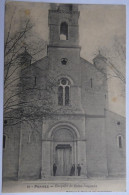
116, 156
30, 151
93, 89
95, 147
11, 151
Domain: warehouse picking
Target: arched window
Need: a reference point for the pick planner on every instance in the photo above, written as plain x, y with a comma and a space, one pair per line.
120, 141
64, 31
4, 141
63, 92
91, 82
60, 95
67, 95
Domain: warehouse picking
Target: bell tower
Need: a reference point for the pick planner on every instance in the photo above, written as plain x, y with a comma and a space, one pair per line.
64, 50
67, 130
63, 25
63, 47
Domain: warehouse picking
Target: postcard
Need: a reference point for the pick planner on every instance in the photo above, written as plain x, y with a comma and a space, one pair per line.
64, 98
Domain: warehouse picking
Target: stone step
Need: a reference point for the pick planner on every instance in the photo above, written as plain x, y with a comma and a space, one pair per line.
64, 178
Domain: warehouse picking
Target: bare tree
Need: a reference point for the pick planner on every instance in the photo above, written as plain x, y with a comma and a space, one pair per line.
19, 83
115, 64
115, 59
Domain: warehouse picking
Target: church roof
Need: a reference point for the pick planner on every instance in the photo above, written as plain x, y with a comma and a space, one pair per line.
41, 64
92, 66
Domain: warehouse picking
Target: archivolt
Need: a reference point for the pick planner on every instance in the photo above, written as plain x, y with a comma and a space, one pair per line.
63, 125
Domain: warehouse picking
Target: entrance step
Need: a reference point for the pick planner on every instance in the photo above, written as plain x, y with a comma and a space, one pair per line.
64, 178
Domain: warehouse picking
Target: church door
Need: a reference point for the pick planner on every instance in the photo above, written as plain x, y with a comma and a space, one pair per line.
63, 159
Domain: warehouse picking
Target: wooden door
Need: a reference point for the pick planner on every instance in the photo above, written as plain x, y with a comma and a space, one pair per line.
63, 161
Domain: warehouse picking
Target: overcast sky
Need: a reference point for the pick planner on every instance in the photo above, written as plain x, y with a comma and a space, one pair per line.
101, 27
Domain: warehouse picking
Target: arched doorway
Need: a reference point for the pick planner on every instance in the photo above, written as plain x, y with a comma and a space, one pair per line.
63, 150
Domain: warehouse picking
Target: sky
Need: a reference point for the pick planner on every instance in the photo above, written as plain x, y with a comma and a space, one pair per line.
101, 27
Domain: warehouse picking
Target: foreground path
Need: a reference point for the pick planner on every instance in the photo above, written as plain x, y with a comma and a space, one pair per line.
87, 185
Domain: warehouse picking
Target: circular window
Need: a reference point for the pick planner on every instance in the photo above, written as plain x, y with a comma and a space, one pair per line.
64, 61
63, 81
118, 123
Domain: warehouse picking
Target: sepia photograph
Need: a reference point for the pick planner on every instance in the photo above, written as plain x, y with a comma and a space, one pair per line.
64, 126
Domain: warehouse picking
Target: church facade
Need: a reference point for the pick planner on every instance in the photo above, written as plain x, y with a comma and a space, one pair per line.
80, 129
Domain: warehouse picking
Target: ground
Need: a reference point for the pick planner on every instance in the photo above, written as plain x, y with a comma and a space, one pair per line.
80, 185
